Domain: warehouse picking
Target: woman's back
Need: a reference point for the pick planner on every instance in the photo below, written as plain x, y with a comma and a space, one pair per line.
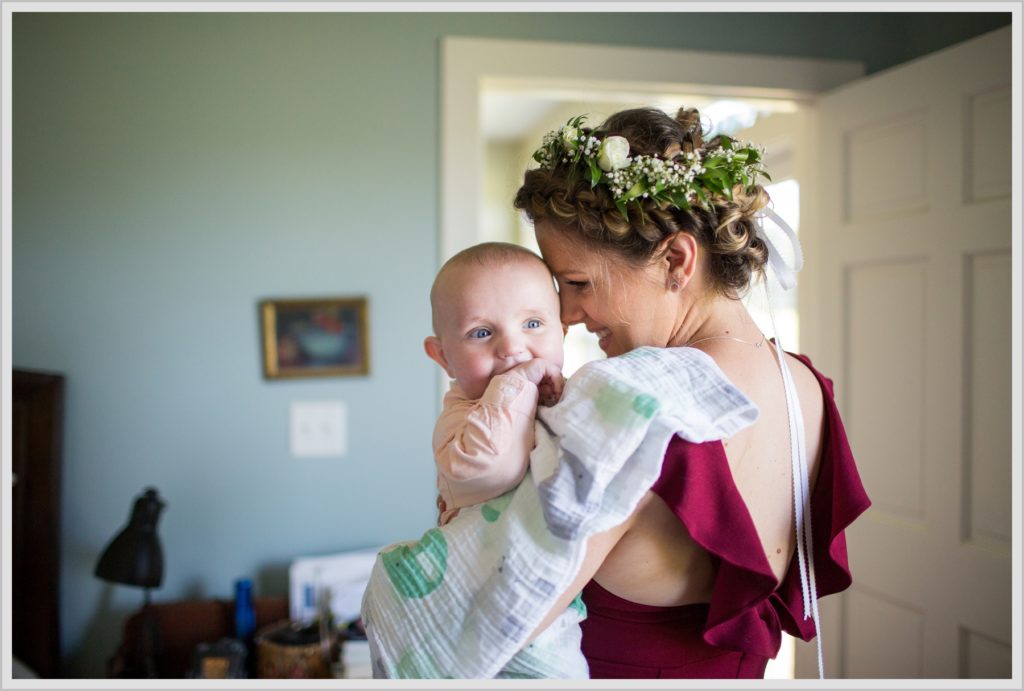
657, 562
713, 604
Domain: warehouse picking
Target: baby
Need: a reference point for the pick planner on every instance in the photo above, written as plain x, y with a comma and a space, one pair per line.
498, 335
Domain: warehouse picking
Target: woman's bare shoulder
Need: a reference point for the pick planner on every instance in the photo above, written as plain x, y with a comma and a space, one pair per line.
808, 387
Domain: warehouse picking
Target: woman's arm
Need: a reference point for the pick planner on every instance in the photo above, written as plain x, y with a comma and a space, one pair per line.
598, 547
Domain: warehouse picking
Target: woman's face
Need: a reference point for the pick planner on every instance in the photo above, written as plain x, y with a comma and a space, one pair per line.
627, 306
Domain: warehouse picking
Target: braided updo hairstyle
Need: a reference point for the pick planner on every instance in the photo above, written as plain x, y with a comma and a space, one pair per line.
725, 230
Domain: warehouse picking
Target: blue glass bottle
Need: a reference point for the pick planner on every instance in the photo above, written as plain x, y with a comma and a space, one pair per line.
245, 617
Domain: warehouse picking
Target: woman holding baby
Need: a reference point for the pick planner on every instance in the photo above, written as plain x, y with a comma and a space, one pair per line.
652, 235
694, 486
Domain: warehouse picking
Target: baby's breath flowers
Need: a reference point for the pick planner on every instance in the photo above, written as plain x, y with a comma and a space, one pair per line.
685, 180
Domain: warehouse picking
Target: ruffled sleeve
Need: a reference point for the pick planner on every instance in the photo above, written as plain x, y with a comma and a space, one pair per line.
747, 612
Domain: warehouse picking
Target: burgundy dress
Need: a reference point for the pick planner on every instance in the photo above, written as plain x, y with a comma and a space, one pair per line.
734, 634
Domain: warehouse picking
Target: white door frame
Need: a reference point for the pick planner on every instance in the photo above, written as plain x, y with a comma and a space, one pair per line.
468, 65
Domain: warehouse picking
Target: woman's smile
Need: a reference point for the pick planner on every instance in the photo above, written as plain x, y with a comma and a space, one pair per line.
604, 337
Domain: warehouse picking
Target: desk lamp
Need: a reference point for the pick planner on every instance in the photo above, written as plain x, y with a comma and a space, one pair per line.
134, 557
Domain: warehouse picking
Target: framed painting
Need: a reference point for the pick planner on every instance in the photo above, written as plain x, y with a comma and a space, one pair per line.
325, 337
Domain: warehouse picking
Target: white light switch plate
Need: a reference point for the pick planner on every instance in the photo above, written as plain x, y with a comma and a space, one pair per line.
318, 429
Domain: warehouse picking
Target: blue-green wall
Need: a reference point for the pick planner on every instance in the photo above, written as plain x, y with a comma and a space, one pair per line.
171, 170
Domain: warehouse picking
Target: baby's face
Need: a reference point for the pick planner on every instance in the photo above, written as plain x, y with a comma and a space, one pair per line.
492, 318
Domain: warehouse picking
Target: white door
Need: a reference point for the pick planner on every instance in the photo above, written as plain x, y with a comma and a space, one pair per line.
909, 311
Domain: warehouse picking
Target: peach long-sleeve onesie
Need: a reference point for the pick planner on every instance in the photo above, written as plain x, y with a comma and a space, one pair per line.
482, 446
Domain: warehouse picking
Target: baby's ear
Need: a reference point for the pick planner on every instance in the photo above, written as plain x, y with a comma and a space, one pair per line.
432, 345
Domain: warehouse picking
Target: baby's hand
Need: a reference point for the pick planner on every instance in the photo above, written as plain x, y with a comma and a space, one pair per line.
550, 390
546, 376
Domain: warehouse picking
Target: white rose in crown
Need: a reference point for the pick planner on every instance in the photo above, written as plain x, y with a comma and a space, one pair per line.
614, 154
569, 137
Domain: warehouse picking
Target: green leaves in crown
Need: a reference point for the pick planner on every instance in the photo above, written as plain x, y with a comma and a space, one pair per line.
692, 179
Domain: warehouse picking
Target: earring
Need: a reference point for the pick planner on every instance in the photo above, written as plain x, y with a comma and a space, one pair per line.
674, 286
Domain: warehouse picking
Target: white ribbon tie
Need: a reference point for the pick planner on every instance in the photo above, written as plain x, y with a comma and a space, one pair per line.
785, 273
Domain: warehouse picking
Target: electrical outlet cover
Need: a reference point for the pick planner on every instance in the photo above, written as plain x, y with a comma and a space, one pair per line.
318, 429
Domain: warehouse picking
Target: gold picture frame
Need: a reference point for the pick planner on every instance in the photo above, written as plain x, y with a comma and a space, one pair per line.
315, 337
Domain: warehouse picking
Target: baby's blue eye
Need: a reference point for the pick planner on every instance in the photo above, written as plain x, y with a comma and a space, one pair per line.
480, 333
533, 323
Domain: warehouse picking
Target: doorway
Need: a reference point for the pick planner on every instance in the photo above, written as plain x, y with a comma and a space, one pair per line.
500, 97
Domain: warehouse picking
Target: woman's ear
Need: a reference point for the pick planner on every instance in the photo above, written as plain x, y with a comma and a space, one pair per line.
432, 344
679, 253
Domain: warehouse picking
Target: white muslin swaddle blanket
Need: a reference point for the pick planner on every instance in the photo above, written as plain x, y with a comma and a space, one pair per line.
462, 600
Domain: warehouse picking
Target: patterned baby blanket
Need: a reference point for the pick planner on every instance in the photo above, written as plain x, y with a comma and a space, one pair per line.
462, 600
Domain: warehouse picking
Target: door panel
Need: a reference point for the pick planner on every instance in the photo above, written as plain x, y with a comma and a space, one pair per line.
913, 318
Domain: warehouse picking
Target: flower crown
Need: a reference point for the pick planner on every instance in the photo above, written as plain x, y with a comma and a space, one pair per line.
687, 180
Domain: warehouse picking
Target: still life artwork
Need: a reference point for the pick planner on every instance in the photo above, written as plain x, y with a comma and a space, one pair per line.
325, 337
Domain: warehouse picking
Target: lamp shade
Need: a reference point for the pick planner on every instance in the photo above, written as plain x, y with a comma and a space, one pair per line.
134, 556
